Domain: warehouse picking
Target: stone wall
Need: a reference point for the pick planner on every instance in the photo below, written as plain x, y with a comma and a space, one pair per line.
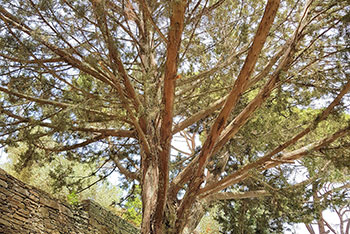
25, 209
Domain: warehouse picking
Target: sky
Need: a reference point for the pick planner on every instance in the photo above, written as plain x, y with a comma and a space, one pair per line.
3, 157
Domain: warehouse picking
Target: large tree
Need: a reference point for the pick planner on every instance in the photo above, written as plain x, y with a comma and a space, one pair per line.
116, 80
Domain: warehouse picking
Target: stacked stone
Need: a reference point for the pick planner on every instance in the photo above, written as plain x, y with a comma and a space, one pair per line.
101, 218
25, 209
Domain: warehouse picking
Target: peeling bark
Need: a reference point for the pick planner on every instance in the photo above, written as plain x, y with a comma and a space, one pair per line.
149, 194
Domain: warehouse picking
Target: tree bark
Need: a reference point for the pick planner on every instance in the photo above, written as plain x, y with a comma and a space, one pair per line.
149, 193
231, 101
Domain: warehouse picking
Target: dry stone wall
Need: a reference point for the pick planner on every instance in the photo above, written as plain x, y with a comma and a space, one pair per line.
28, 210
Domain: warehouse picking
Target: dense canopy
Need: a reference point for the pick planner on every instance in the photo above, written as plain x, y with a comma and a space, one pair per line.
262, 83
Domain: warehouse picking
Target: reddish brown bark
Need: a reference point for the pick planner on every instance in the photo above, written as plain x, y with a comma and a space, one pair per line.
154, 137
174, 42
240, 83
266, 163
220, 122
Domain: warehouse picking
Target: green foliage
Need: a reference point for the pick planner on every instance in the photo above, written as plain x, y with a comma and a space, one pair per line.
68, 117
73, 199
288, 201
133, 205
248, 216
65, 179
209, 224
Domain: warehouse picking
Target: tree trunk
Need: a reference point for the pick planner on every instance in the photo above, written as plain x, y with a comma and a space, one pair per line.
197, 212
149, 222
149, 183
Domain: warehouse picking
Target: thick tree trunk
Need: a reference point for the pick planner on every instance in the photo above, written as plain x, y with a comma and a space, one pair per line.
149, 183
169, 219
197, 212
157, 218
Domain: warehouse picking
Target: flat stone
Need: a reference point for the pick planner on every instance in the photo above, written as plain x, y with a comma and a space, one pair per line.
16, 222
21, 190
33, 197
65, 210
23, 212
21, 206
2, 171
19, 217
48, 224
29, 202
6, 209
34, 192
6, 191
44, 212
50, 203
15, 197
3, 197
3, 183
5, 222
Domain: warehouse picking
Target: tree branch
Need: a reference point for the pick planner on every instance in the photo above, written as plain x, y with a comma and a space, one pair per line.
32, 61
53, 103
184, 175
220, 122
140, 132
238, 195
199, 115
219, 103
309, 228
197, 79
67, 57
329, 226
174, 43
124, 171
75, 146
113, 52
35, 99
103, 131
240, 83
149, 16
264, 163
292, 141
207, 10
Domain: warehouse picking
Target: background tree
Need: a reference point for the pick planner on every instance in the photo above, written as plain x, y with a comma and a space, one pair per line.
291, 201
74, 181
335, 197
115, 80
330, 191
62, 177
208, 224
